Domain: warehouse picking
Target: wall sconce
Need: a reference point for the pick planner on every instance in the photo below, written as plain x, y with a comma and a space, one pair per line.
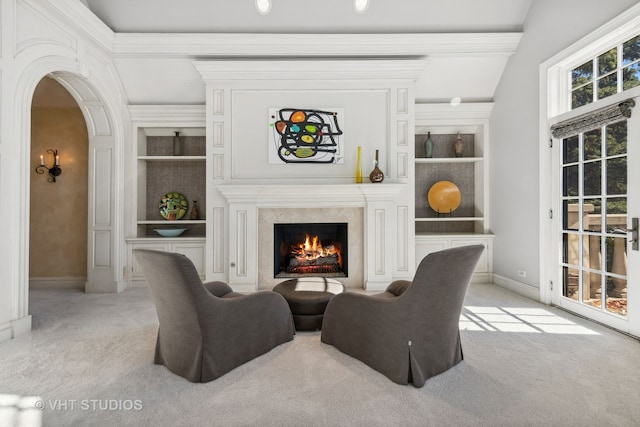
54, 170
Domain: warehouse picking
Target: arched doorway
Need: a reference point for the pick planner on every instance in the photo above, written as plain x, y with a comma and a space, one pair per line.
100, 100
58, 214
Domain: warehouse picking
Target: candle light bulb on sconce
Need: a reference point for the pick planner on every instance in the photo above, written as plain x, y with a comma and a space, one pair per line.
55, 169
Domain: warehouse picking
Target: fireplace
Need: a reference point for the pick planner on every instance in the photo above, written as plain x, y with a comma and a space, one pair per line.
310, 249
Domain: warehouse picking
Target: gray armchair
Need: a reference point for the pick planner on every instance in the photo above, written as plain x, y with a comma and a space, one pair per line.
409, 332
206, 330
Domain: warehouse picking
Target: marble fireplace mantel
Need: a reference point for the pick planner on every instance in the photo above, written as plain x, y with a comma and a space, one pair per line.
309, 195
386, 233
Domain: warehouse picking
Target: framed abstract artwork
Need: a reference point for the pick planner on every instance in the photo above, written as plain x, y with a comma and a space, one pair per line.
303, 135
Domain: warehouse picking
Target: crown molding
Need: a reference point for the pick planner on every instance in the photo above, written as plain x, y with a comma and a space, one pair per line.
79, 16
311, 69
306, 45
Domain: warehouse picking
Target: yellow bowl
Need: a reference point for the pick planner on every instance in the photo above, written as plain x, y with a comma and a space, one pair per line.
444, 197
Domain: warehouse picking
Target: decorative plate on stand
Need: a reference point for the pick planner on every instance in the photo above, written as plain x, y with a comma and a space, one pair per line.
444, 197
173, 206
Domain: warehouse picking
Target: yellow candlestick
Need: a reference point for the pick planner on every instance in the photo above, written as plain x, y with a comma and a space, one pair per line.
359, 166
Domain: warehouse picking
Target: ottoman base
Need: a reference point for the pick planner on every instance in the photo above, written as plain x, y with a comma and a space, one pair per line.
307, 299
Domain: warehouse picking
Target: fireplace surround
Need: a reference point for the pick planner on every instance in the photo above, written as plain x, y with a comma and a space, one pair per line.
379, 236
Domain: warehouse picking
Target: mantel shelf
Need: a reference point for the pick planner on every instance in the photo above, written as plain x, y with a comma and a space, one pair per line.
309, 194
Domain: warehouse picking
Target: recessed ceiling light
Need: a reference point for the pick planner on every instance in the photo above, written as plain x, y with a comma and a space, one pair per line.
263, 6
360, 6
455, 101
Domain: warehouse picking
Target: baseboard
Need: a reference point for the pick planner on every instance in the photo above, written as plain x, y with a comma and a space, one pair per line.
57, 282
244, 288
6, 331
15, 328
518, 287
21, 326
481, 277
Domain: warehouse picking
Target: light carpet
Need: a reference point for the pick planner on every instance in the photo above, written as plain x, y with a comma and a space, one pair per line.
90, 356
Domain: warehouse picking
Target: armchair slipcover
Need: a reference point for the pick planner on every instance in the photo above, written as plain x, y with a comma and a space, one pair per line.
409, 332
206, 330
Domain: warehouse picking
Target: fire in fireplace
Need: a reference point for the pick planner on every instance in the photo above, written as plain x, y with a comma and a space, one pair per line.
316, 249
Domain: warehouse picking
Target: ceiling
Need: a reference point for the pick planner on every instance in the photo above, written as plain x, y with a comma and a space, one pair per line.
310, 16
453, 68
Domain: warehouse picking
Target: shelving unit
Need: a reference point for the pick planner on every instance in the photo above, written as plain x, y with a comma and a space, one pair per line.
158, 172
469, 222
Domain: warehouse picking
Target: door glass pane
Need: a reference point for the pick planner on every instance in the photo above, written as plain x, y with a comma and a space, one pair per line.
570, 180
617, 176
592, 179
592, 215
592, 144
571, 215
617, 295
571, 249
571, 277
591, 252
591, 286
616, 138
616, 256
570, 150
616, 215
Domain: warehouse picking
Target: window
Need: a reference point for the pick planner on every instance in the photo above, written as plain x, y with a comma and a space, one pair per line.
611, 72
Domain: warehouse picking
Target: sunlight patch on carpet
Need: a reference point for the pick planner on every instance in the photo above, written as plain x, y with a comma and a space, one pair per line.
518, 319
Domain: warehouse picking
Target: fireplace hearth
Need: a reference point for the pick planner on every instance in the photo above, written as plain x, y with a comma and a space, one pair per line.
310, 249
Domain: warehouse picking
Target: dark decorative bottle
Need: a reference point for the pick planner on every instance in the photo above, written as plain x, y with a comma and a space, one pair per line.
177, 144
376, 174
428, 146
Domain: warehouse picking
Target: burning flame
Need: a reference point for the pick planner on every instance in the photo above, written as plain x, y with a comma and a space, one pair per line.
312, 249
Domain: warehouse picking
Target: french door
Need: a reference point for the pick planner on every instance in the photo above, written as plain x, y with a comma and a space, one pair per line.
598, 274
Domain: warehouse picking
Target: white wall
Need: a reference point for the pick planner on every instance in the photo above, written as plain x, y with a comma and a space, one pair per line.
551, 26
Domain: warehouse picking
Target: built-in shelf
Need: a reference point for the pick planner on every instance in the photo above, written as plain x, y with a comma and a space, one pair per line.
172, 223
451, 219
158, 172
449, 160
172, 158
469, 223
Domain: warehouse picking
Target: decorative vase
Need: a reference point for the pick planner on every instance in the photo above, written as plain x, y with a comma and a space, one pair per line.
428, 146
195, 213
359, 166
177, 144
458, 146
376, 174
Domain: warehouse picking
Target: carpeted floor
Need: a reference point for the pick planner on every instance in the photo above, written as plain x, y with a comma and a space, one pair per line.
89, 358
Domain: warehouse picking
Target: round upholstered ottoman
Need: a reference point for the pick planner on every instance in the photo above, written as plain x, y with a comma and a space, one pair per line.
308, 297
